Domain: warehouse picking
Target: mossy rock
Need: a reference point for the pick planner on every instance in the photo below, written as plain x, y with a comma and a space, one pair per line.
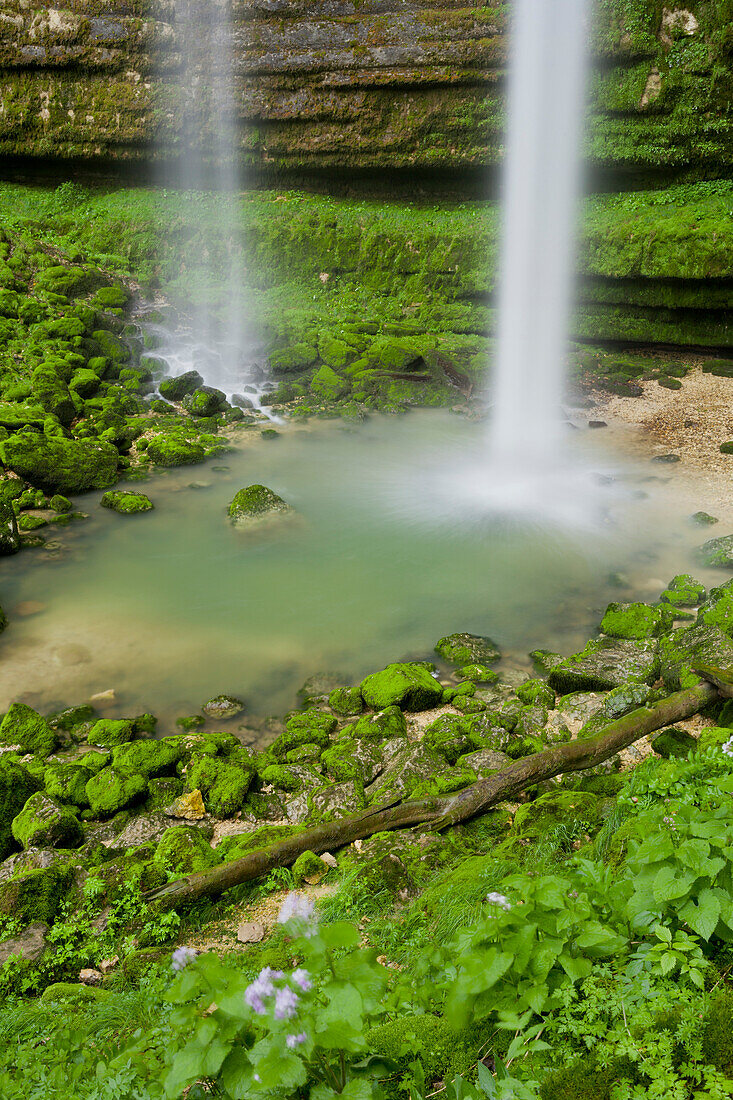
111, 790
67, 782
36, 895
328, 385
255, 502
223, 784
17, 785
409, 686
183, 849
468, 649
348, 758
382, 726
346, 702
674, 742
24, 727
442, 1052
151, 758
532, 692
205, 401
175, 389
73, 994
126, 503
635, 620
606, 663
111, 346
622, 700
451, 737
582, 1080
61, 465
109, 732
683, 591
167, 450
162, 792
311, 727
308, 865
294, 359
692, 647
479, 674
535, 819
9, 535
715, 553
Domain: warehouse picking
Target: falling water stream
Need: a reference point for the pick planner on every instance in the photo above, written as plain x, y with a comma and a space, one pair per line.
541, 186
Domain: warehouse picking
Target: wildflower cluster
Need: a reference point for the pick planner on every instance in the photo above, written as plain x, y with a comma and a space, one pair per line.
499, 901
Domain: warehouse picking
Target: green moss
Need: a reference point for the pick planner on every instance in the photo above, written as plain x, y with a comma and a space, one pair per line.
582, 1080
308, 865
328, 385
24, 727
346, 702
635, 620
150, 758
183, 849
255, 501
34, 896
223, 784
382, 726
535, 819
442, 1052
205, 401
126, 503
111, 790
67, 782
16, 787
683, 591
172, 450
110, 732
409, 686
234, 847
464, 649
45, 823
60, 465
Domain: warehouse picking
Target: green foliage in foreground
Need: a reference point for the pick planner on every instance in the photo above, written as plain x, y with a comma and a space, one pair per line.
586, 980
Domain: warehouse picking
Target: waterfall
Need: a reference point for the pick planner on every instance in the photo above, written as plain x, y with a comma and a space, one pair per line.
541, 187
206, 181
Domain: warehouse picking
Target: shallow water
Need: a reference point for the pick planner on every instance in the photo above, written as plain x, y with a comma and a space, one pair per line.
393, 548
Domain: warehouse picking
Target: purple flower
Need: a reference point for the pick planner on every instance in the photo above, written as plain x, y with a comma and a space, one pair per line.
182, 956
296, 907
286, 1001
499, 900
294, 1041
302, 980
262, 987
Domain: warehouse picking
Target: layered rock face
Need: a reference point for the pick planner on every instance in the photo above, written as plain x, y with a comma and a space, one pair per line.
359, 84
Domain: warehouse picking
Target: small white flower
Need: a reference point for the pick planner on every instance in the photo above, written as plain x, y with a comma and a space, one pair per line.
499, 900
727, 748
302, 979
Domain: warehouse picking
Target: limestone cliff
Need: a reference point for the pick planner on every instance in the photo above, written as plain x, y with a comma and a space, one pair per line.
366, 84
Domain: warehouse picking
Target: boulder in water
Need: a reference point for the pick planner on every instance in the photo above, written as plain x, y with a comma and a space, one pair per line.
175, 389
408, 685
126, 503
205, 401
9, 536
255, 503
468, 649
61, 465
717, 552
223, 707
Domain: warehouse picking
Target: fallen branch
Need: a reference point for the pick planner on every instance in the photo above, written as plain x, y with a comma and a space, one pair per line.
439, 813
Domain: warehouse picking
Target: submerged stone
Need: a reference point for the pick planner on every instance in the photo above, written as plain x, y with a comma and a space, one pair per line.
468, 649
409, 686
223, 707
126, 503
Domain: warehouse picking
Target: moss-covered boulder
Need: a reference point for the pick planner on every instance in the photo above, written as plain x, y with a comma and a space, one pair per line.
222, 708
36, 895
535, 819
683, 591
126, 503
108, 732
256, 502
328, 385
410, 686
606, 663
9, 534
175, 389
411, 767
45, 823
451, 737
536, 691
717, 553
205, 401
17, 785
308, 866
691, 647
635, 620
346, 701
311, 727
382, 726
67, 783
184, 849
327, 803
174, 450
60, 465
442, 1052
673, 742
348, 758
224, 784
150, 758
468, 649
111, 790
24, 727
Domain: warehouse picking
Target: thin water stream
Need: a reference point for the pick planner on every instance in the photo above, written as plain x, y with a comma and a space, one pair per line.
172, 607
